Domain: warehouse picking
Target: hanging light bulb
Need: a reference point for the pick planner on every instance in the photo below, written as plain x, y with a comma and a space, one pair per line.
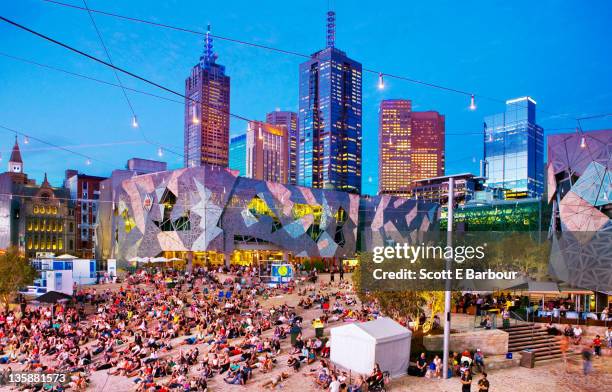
473, 159
160, 152
26, 140
0, 156
583, 142
491, 137
134, 121
472, 102
381, 81
88, 161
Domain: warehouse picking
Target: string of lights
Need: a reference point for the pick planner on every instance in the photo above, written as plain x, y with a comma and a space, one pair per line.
381, 74
93, 79
135, 123
115, 68
88, 158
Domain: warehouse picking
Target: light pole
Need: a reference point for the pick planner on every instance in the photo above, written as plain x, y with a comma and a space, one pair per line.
447, 292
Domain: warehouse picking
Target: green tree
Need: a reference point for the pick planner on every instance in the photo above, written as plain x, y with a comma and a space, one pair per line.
396, 304
15, 272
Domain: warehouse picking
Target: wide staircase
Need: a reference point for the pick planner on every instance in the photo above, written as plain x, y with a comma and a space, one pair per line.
535, 338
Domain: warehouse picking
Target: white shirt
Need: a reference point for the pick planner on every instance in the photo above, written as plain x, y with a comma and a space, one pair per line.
334, 386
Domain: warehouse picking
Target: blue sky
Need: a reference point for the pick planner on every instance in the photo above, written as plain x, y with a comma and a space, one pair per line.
555, 51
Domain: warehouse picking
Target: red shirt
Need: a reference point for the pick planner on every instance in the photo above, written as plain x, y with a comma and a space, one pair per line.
597, 342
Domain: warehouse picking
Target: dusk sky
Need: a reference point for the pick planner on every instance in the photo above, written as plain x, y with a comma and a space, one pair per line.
557, 52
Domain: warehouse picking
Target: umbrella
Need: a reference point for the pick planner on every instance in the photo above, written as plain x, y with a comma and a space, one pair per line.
174, 259
52, 297
66, 256
159, 259
135, 259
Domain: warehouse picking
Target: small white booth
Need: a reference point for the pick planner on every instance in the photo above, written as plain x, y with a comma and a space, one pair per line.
358, 346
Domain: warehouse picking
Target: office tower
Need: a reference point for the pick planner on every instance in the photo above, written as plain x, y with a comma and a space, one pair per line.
237, 154
513, 150
394, 139
290, 121
266, 152
411, 146
427, 146
207, 111
329, 145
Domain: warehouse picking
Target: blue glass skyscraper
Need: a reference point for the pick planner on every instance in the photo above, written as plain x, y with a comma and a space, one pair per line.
329, 153
514, 150
237, 154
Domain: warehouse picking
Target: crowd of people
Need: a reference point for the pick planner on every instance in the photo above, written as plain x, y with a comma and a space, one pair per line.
166, 330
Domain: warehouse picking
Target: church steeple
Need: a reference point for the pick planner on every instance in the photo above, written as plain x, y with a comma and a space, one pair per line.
15, 164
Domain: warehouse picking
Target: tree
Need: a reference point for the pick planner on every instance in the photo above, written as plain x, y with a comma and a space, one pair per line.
15, 272
396, 304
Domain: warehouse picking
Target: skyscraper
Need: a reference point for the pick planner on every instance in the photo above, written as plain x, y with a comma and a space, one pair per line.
290, 121
427, 146
514, 150
207, 111
237, 154
266, 152
411, 146
329, 145
394, 130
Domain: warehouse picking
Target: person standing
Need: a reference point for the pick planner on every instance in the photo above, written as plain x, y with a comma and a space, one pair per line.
483, 383
466, 381
587, 358
597, 345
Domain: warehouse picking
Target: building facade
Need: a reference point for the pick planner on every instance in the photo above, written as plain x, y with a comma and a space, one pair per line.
267, 157
330, 104
394, 142
144, 166
214, 216
467, 187
85, 195
237, 154
579, 189
207, 111
290, 121
514, 150
411, 146
34, 218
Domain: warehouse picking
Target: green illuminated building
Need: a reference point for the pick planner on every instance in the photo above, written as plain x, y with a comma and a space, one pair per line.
500, 215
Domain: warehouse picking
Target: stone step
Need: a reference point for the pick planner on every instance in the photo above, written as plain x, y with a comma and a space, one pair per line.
536, 338
532, 346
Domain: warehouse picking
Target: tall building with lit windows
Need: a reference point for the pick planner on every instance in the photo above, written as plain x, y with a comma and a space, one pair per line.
394, 130
427, 145
329, 145
514, 150
266, 152
411, 146
207, 111
288, 120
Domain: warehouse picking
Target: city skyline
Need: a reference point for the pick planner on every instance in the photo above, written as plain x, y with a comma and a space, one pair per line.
114, 126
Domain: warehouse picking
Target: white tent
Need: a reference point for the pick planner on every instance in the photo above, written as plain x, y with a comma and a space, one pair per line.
359, 346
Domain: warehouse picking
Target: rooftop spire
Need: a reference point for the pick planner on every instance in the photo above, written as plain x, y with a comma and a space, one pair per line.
45, 183
208, 57
331, 28
16, 153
